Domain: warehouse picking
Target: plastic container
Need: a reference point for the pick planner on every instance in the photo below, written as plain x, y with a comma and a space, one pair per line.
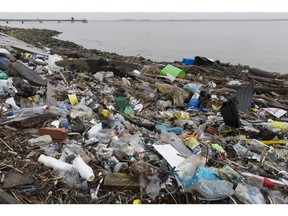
188, 61
258, 181
41, 140
174, 71
54, 163
73, 99
11, 102
84, 170
84, 108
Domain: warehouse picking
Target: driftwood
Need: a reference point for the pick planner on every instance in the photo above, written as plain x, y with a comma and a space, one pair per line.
256, 88
131, 91
270, 82
270, 104
258, 72
21, 70
28, 122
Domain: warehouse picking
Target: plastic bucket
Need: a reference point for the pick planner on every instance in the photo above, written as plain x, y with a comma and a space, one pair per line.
188, 61
174, 71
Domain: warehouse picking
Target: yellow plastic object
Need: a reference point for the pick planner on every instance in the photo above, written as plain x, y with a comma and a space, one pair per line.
270, 142
105, 113
182, 115
274, 142
73, 99
27, 55
255, 110
279, 125
137, 201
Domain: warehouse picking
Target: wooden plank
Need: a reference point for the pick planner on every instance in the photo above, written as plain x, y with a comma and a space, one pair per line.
122, 180
6, 198
50, 95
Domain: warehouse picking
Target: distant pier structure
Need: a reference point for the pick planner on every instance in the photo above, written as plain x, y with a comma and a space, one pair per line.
72, 20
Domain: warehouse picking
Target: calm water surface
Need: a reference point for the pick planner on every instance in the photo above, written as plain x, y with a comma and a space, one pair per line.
261, 44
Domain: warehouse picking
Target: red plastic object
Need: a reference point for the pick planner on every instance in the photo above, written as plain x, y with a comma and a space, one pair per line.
267, 183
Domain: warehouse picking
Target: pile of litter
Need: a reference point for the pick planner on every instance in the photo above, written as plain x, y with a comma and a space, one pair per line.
109, 132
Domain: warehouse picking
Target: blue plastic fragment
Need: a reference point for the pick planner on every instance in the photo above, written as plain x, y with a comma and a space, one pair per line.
176, 130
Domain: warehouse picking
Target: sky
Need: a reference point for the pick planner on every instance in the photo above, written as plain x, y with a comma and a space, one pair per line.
144, 15
143, 9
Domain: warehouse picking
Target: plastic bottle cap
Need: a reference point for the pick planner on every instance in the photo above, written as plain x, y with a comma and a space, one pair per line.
105, 113
10, 113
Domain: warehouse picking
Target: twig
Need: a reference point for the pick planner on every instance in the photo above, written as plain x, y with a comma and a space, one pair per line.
15, 196
64, 78
236, 164
6, 144
171, 196
12, 168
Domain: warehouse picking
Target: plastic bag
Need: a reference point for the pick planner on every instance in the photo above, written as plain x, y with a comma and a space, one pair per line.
249, 195
202, 173
153, 187
187, 169
120, 149
213, 188
51, 62
172, 139
4, 63
279, 197
193, 87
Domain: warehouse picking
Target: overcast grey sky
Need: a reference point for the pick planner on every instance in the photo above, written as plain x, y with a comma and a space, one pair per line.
144, 15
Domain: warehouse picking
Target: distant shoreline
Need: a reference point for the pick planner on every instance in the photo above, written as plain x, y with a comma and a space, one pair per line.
156, 20
188, 20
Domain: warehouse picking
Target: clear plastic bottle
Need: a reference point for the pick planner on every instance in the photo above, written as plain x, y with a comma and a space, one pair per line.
64, 123
58, 111
41, 140
28, 111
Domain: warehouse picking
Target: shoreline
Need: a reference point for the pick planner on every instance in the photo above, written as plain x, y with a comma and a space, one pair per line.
46, 38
